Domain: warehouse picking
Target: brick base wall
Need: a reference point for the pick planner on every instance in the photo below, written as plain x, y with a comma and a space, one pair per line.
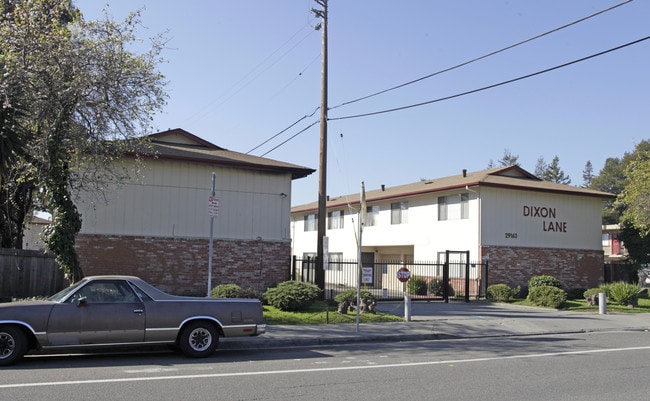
180, 265
515, 266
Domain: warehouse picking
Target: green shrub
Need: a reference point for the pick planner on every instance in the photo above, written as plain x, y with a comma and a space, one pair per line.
543, 281
502, 292
292, 295
575, 293
436, 287
234, 291
592, 292
417, 286
226, 291
606, 288
623, 293
349, 297
547, 296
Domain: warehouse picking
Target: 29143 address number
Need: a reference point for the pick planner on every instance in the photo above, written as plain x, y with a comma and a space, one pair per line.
511, 235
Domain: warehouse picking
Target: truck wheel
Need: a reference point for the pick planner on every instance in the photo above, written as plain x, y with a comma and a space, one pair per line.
13, 345
199, 339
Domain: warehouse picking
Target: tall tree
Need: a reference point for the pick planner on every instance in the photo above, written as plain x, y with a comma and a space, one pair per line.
540, 167
613, 178
508, 159
554, 173
635, 197
620, 176
587, 174
84, 97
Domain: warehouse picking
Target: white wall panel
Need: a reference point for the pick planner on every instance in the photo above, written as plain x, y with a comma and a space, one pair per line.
540, 219
497, 217
171, 199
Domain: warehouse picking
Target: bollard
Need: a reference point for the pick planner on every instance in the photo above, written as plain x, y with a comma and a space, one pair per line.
602, 303
407, 307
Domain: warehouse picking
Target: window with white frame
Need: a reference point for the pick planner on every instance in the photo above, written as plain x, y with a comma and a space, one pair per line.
399, 212
453, 207
335, 220
372, 215
311, 222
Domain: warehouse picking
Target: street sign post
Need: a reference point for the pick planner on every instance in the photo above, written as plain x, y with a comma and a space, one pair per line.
213, 211
404, 275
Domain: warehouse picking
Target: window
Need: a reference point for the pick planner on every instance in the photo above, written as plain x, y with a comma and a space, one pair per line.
311, 222
372, 214
442, 208
464, 206
605, 241
399, 213
335, 220
453, 207
106, 292
335, 261
309, 255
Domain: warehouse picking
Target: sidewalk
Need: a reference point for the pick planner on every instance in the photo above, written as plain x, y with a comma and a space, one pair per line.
439, 320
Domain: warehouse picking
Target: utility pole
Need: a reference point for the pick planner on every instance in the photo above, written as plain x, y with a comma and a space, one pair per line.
319, 274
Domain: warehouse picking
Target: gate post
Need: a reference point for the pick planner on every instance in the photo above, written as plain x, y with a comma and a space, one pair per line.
407, 307
467, 276
445, 281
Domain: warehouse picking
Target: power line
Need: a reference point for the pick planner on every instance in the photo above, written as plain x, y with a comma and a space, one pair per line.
284, 130
248, 78
293, 136
491, 86
296, 77
450, 69
481, 57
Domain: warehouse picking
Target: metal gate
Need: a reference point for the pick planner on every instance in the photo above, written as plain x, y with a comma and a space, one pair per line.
456, 279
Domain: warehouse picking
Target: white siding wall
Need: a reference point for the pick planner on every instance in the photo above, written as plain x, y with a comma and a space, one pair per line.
423, 235
171, 200
540, 220
497, 217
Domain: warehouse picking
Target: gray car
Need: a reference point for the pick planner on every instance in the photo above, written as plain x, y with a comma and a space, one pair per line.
109, 311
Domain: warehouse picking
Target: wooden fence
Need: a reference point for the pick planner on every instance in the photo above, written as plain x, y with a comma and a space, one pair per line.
25, 274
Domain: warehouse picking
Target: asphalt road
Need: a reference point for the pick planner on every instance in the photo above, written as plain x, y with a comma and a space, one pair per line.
579, 366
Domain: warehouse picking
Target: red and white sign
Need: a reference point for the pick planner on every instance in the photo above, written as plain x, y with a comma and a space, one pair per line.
403, 274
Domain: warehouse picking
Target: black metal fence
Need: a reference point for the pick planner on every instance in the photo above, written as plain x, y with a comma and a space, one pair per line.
454, 280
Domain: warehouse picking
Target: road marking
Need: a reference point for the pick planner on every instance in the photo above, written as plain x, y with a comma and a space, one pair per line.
329, 369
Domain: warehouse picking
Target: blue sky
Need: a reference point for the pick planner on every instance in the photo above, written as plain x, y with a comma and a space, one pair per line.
242, 71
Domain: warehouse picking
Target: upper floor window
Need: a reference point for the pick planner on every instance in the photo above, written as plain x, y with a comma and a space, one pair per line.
311, 222
464, 206
399, 212
442, 208
372, 215
335, 220
453, 207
